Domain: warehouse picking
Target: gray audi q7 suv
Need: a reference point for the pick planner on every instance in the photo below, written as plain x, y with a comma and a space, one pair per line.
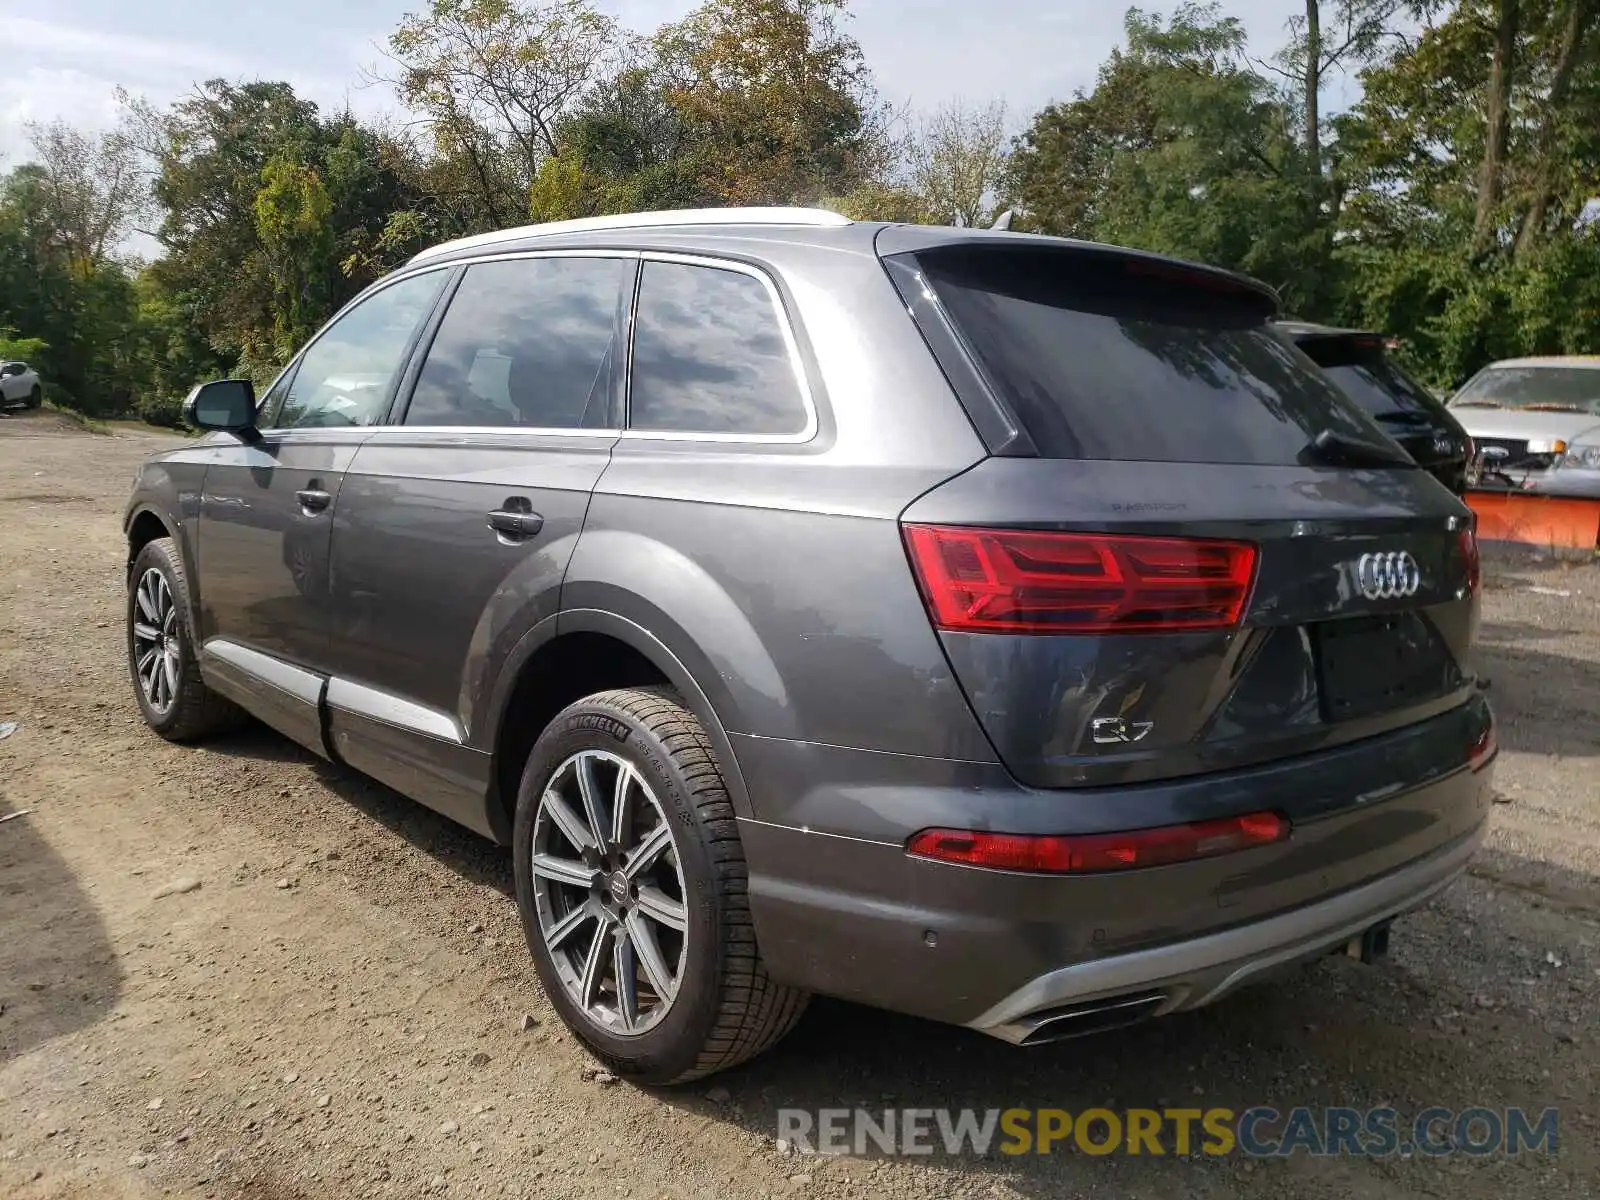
1001, 629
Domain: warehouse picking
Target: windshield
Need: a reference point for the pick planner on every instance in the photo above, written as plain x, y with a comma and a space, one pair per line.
1546, 389
1101, 360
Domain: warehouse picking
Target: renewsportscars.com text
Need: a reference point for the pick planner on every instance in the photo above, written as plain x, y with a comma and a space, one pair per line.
1259, 1131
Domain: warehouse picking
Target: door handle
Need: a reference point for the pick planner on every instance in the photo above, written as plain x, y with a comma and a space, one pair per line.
515, 525
314, 500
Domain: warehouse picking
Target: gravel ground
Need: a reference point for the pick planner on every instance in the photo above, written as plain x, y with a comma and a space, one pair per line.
238, 971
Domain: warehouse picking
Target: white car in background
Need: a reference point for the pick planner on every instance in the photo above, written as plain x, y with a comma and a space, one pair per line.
1535, 423
19, 384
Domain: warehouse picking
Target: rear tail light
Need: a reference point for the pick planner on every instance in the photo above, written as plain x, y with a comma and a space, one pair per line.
1467, 545
1015, 581
1483, 748
1074, 854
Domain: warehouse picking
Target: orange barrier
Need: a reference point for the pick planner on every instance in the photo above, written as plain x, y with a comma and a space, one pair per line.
1546, 522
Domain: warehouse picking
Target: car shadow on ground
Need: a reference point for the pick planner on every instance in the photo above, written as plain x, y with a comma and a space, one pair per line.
474, 858
1407, 1033
58, 971
1546, 703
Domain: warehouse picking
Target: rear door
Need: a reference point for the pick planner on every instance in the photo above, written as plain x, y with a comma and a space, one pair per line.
456, 521
1196, 554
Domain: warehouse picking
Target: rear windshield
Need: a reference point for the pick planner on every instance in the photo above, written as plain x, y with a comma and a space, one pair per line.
1548, 389
1101, 357
1373, 381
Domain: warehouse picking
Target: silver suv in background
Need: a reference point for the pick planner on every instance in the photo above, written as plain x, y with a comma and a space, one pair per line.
1001, 629
20, 386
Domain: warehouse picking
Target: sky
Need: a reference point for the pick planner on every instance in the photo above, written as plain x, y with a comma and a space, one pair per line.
64, 58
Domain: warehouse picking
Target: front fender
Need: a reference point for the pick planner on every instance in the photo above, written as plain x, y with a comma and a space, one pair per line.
168, 487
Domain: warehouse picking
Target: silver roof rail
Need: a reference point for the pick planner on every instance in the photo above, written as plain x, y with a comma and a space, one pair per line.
819, 217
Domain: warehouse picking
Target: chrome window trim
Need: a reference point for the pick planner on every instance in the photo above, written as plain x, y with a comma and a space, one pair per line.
477, 432
791, 346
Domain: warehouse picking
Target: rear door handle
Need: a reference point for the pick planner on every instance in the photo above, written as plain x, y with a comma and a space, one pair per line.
314, 500
515, 524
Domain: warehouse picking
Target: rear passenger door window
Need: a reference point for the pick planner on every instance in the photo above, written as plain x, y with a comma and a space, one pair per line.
711, 356
525, 342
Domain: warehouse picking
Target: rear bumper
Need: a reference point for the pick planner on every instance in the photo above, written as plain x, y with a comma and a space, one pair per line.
1196, 972
839, 907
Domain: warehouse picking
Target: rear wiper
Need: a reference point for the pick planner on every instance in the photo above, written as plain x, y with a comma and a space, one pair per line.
1577, 408
1476, 404
1333, 449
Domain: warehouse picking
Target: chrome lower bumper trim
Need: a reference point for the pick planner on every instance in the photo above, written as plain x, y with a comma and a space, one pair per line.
1203, 969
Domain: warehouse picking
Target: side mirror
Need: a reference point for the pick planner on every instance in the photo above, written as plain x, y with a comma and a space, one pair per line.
225, 404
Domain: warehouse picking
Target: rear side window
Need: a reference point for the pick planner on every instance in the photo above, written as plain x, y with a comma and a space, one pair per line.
710, 356
1104, 357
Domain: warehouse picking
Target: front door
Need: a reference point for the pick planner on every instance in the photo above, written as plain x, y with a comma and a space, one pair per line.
455, 525
266, 510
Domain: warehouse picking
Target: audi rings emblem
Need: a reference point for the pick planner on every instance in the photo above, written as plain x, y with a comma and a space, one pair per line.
1388, 576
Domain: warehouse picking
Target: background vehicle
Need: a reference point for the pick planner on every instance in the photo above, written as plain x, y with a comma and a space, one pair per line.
1536, 423
1005, 630
1410, 413
19, 385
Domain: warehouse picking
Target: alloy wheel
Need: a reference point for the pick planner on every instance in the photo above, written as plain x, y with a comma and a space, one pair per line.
608, 889
155, 641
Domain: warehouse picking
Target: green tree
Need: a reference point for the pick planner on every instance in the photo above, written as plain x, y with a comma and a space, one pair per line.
275, 216
1468, 165
292, 210
958, 159
775, 98
1181, 147
492, 79
80, 314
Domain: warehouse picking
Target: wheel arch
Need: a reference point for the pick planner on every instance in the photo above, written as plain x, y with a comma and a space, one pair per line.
574, 654
144, 526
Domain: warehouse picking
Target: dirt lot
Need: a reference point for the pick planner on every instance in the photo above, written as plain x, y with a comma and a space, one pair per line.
338, 1009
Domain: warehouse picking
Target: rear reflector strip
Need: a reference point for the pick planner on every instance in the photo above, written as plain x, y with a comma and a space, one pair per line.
1018, 581
1467, 547
1075, 854
1483, 748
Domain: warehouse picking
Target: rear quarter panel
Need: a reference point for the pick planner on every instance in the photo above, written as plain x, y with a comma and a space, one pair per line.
775, 572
